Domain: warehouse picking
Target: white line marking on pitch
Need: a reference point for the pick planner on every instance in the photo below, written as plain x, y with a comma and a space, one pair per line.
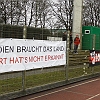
93, 97
64, 89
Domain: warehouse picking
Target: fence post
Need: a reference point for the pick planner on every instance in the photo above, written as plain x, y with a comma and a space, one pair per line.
24, 72
67, 54
93, 48
24, 32
1, 24
94, 37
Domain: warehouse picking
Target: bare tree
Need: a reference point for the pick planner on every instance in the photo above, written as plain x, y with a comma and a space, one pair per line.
4, 11
39, 13
14, 11
91, 12
63, 11
46, 13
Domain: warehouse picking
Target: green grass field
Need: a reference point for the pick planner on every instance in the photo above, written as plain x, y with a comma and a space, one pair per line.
15, 84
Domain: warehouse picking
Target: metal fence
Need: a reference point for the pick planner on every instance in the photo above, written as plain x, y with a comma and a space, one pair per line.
16, 84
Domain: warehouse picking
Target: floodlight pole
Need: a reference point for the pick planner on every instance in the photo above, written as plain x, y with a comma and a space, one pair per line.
77, 19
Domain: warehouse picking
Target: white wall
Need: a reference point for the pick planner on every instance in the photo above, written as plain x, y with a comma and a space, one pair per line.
54, 38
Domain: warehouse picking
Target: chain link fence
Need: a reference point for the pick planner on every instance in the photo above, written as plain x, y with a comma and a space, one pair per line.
16, 84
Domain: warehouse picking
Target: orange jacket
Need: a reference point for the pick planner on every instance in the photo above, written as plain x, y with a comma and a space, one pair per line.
76, 41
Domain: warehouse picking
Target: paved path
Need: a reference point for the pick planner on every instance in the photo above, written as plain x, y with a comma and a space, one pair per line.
85, 90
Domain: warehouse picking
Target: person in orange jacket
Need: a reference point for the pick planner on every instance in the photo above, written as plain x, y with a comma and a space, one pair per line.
76, 43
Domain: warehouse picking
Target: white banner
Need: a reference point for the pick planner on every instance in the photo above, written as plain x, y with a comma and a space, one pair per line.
24, 54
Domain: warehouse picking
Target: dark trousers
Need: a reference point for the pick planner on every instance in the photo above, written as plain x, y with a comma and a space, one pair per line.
75, 48
70, 45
